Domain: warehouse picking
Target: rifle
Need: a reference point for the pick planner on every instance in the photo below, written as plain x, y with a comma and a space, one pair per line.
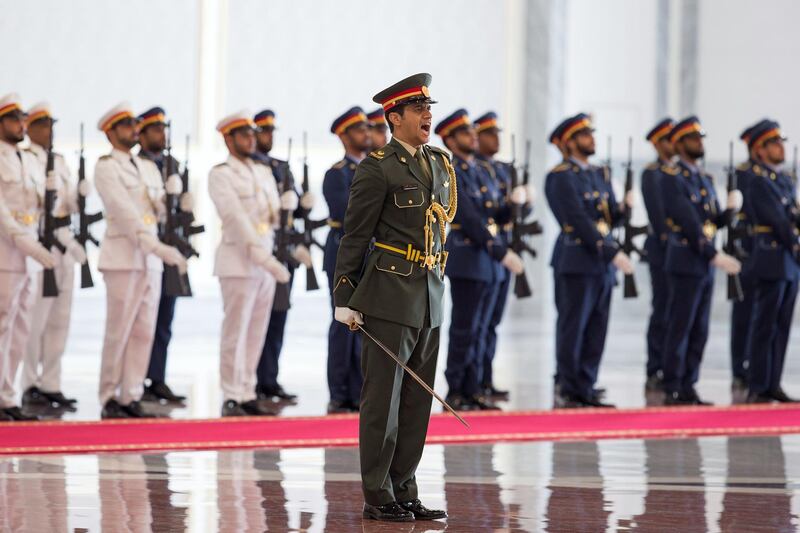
283, 241
731, 248
84, 236
630, 231
47, 233
187, 218
175, 283
309, 225
519, 228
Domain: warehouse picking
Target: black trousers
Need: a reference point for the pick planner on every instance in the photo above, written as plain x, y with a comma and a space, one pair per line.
772, 325
658, 319
741, 328
157, 369
498, 301
267, 371
465, 350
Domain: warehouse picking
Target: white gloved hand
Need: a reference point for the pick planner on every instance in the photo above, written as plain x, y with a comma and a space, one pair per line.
630, 199
186, 202
519, 195
31, 247
171, 256
348, 316
623, 263
302, 255
265, 260
735, 200
513, 262
85, 188
307, 201
730, 265
76, 251
174, 185
289, 201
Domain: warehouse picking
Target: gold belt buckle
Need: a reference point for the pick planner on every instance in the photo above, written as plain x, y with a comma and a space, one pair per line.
602, 227
262, 228
709, 229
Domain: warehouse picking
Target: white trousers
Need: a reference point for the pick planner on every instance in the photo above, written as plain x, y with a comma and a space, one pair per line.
131, 309
17, 295
49, 330
247, 304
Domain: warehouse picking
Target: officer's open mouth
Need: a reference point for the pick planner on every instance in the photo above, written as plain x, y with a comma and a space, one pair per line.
426, 128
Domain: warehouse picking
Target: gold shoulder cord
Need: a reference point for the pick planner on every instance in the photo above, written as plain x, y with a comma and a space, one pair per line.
444, 217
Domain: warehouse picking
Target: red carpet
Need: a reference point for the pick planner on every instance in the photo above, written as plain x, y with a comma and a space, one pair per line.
342, 430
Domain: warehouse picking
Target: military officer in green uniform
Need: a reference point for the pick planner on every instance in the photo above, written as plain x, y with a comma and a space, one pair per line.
401, 199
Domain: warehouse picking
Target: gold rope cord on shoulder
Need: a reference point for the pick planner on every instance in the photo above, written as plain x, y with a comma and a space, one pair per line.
444, 217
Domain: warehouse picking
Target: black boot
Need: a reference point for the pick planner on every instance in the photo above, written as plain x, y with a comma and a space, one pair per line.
780, 396
421, 512
253, 408
17, 415
112, 409
390, 512
33, 397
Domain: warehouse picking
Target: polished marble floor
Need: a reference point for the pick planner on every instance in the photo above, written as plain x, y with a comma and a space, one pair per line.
692, 485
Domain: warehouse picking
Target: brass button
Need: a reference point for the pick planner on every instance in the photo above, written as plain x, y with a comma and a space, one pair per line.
703, 192
484, 188
596, 194
391, 267
411, 201
403, 159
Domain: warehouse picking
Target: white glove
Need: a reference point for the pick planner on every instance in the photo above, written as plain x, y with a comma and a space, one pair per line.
186, 202
348, 316
623, 263
85, 188
735, 200
730, 265
630, 199
513, 262
31, 247
519, 195
307, 201
265, 260
76, 251
168, 254
302, 255
174, 185
289, 201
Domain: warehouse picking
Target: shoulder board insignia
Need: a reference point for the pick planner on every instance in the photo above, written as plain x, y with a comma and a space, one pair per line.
672, 171
743, 166
377, 154
224, 163
104, 157
340, 164
438, 150
561, 167
652, 166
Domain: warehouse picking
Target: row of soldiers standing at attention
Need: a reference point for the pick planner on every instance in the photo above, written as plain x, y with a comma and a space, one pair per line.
761, 258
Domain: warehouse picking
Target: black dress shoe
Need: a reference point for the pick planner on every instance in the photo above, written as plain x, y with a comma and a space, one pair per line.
339, 407
33, 397
568, 401
160, 391
112, 409
695, 398
495, 394
484, 404
595, 401
421, 512
232, 408
676, 398
390, 512
756, 397
654, 383
460, 403
59, 398
780, 395
253, 408
17, 415
135, 410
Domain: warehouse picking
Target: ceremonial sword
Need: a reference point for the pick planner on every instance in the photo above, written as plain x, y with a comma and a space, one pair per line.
355, 326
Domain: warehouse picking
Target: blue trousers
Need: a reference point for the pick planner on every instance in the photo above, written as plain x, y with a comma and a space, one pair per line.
267, 371
658, 319
157, 369
741, 328
344, 359
583, 304
772, 324
497, 303
688, 309
465, 352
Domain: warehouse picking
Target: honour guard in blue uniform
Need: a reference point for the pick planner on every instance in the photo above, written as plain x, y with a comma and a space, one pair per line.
267, 386
378, 128
344, 346
655, 245
693, 216
488, 130
774, 266
585, 259
153, 141
742, 311
477, 260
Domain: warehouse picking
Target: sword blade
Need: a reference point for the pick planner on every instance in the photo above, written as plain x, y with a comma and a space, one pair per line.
410, 372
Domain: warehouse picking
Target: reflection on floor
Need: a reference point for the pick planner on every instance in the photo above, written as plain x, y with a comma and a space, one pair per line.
710, 484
